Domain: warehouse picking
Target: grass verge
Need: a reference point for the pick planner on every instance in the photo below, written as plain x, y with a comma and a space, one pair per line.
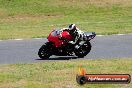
31, 18
61, 74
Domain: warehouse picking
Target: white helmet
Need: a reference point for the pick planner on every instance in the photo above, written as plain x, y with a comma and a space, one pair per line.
72, 27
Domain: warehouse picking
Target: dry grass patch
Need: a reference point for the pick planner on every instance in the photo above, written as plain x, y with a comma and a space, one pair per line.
62, 74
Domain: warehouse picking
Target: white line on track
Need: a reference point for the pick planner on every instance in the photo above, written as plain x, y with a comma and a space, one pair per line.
17, 39
100, 35
37, 38
120, 34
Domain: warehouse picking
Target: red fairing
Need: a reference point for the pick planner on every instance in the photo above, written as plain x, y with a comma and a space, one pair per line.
56, 34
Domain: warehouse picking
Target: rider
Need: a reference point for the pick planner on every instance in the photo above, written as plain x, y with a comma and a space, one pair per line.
74, 32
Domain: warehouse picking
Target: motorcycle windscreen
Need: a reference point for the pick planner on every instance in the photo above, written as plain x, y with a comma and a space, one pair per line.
54, 37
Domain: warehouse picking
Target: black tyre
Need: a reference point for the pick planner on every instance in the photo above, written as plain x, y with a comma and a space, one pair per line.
43, 52
83, 50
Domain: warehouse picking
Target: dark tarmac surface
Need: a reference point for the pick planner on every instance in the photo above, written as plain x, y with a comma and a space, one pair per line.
25, 51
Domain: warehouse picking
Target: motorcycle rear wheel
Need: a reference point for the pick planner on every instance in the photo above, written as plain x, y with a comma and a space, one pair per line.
83, 50
43, 52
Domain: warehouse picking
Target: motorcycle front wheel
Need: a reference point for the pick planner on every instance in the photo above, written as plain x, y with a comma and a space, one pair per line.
43, 52
83, 50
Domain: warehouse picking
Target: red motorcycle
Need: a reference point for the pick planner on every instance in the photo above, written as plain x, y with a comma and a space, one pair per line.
58, 45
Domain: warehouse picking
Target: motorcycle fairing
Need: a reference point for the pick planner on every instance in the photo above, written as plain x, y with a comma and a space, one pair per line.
56, 34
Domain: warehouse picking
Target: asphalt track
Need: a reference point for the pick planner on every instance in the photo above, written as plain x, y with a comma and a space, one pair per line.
25, 51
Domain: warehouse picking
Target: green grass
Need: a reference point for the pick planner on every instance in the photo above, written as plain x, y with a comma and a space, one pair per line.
61, 74
31, 18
